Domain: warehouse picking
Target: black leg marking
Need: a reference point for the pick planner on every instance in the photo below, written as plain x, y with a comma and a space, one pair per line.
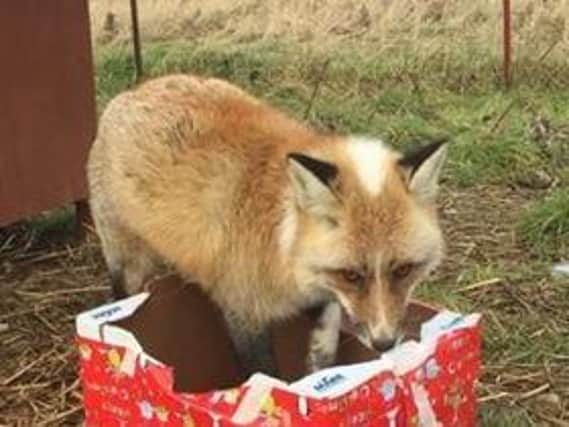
254, 349
118, 284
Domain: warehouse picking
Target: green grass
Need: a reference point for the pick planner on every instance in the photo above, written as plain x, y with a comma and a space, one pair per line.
54, 225
363, 92
545, 226
499, 416
505, 303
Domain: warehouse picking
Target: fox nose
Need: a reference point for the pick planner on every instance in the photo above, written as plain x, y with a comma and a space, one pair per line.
383, 344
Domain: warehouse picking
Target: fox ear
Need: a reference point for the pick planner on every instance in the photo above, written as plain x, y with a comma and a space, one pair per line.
423, 167
312, 180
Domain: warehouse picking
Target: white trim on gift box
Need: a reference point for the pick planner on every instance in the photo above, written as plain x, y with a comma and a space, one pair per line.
117, 336
411, 354
94, 325
336, 381
89, 323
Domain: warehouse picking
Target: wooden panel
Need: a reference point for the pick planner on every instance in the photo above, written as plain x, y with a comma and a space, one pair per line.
47, 105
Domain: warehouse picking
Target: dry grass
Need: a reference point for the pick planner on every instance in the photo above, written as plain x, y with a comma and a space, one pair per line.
526, 328
43, 287
526, 374
426, 26
526, 342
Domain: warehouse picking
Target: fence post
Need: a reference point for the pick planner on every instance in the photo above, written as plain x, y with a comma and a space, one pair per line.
507, 40
136, 39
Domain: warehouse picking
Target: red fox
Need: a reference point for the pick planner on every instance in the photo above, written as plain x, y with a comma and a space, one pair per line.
267, 215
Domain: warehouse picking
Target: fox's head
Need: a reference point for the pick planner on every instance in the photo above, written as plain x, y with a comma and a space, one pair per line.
364, 226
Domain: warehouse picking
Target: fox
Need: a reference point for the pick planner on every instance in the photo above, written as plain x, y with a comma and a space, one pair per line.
266, 214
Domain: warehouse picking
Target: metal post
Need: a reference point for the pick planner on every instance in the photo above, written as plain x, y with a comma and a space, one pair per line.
136, 39
507, 38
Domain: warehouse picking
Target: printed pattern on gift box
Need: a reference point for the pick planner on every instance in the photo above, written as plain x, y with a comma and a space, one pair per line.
120, 389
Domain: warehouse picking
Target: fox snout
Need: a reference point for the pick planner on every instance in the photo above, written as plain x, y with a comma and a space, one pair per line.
383, 344
379, 324
384, 337
379, 338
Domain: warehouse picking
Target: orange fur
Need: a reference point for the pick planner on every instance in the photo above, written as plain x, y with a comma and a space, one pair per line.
193, 172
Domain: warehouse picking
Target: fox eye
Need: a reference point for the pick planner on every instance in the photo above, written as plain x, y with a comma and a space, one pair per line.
402, 271
353, 276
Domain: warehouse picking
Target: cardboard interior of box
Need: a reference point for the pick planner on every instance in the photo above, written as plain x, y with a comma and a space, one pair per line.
182, 328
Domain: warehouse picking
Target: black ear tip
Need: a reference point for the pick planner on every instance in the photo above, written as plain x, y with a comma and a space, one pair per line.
443, 140
437, 143
440, 138
297, 157
324, 171
416, 157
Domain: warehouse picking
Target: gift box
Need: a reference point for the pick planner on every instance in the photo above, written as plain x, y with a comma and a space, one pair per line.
164, 358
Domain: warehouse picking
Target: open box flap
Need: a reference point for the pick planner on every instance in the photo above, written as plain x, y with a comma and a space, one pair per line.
88, 324
447, 321
179, 326
412, 353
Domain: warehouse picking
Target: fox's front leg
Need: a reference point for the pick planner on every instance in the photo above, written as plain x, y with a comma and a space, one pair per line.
254, 347
323, 343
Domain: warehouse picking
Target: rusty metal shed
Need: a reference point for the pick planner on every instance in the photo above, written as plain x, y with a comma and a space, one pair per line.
47, 105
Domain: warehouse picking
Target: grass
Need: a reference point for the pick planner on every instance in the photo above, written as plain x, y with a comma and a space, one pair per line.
497, 416
545, 226
406, 102
446, 28
405, 71
500, 289
518, 338
368, 93
53, 226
